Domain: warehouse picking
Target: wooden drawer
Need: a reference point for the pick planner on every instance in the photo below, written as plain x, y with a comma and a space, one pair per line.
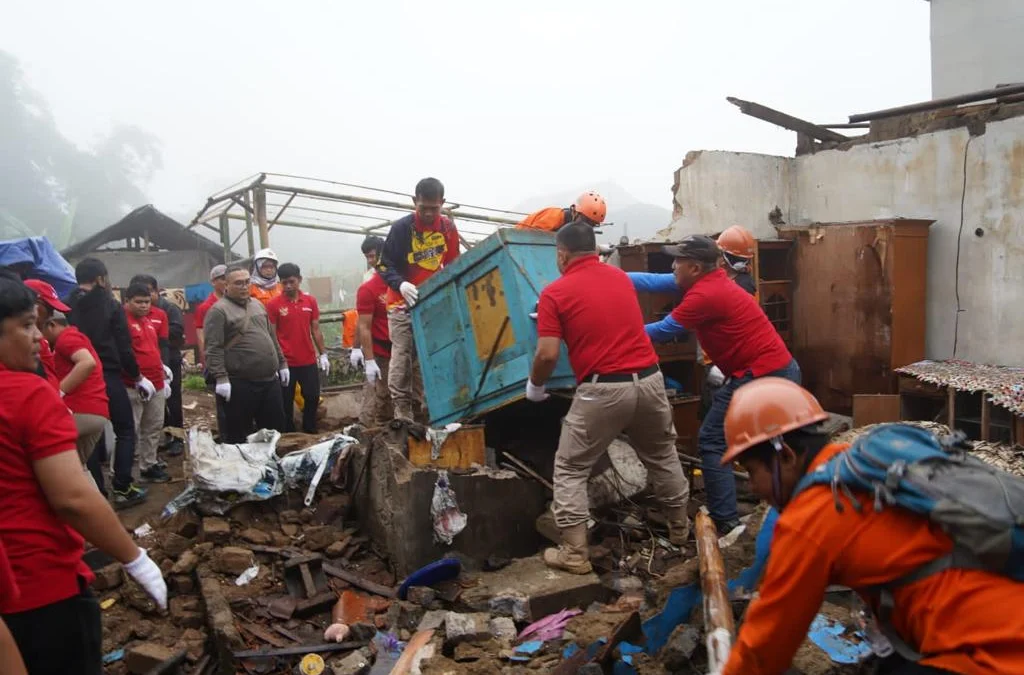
911, 385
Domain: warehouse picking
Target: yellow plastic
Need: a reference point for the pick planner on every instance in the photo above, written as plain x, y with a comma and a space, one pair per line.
311, 664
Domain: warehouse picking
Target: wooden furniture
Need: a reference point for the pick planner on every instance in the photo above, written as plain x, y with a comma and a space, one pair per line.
858, 307
462, 449
970, 412
773, 272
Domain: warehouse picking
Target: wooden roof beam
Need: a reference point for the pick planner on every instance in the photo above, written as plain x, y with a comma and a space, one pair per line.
785, 121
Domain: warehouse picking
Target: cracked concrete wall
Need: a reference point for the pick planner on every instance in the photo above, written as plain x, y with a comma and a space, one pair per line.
919, 177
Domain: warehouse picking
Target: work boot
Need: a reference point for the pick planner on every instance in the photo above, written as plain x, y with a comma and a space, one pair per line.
130, 496
724, 527
678, 526
175, 448
572, 555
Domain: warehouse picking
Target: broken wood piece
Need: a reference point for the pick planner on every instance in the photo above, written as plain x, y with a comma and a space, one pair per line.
420, 640
719, 623
299, 650
359, 582
785, 121
526, 469
288, 634
260, 633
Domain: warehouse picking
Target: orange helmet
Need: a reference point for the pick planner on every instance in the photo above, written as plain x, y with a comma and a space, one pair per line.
737, 241
767, 408
591, 205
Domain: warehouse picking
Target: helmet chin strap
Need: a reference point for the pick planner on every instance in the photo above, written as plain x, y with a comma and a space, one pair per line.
777, 472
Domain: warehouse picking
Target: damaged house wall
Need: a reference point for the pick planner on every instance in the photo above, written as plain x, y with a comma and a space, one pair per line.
916, 177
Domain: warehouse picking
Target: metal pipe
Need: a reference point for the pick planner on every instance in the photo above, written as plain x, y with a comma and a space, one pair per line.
926, 106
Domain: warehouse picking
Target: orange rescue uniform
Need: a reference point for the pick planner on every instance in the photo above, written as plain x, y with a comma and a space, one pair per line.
549, 220
965, 621
265, 295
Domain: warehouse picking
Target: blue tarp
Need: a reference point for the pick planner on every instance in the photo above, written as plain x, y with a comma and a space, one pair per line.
47, 264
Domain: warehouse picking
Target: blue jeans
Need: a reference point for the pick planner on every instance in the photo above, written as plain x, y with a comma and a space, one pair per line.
719, 483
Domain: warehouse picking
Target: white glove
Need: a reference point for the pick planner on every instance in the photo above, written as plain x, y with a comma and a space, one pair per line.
168, 375
147, 574
223, 389
533, 315
62, 393
145, 388
355, 357
409, 293
716, 378
166, 390
536, 393
285, 375
372, 371
324, 363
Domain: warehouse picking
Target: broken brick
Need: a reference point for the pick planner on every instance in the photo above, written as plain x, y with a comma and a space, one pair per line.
466, 627
184, 523
679, 649
319, 537
432, 620
233, 560
109, 577
255, 536
306, 515
356, 663
402, 614
186, 564
182, 583
166, 566
503, 629
174, 544
216, 530
330, 510
290, 517
146, 656
143, 629
422, 595
336, 549
289, 529
184, 603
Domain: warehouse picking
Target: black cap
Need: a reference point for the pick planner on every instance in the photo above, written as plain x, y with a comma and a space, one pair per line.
696, 247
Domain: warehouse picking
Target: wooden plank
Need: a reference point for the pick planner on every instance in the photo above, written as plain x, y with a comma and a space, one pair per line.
785, 121
359, 582
875, 409
719, 622
951, 408
986, 417
460, 450
420, 640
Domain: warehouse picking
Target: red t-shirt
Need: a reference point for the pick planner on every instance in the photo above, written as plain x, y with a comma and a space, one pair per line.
203, 308
731, 327
161, 323
46, 358
146, 346
432, 248
90, 398
293, 320
594, 309
45, 554
9, 591
371, 299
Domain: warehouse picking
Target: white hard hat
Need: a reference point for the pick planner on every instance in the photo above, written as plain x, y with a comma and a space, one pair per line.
265, 254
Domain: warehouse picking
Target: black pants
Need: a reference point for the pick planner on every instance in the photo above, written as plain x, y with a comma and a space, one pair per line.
124, 433
173, 416
65, 638
307, 377
253, 406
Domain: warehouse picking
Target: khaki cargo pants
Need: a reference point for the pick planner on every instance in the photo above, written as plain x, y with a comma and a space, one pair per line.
404, 379
599, 413
149, 425
376, 410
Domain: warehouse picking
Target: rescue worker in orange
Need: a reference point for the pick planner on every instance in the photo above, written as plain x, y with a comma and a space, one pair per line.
962, 621
738, 247
589, 208
265, 284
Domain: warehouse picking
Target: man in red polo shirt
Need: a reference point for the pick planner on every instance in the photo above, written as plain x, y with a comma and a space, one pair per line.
373, 330
417, 246
735, 333
48, 506
620, 389
81, 381
147, 410
296, 316
47, 302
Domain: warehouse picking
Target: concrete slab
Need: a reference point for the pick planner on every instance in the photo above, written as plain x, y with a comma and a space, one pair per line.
528, 590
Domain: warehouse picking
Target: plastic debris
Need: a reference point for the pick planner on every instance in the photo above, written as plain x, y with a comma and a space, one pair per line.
143, 531
550, 627
113, 657
311, 664
245, 577
437, 437
108, 603
841, 645
449, 521
309, 465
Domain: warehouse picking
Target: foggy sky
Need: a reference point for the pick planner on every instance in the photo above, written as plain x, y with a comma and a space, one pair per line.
502, 101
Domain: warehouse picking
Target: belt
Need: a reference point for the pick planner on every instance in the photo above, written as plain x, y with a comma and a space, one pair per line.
621, 377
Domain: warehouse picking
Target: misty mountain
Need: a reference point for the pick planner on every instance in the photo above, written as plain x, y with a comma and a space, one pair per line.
627, 215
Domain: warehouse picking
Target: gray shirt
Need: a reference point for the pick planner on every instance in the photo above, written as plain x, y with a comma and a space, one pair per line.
241, 342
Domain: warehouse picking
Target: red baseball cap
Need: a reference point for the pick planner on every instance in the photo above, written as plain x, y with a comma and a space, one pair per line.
47, 294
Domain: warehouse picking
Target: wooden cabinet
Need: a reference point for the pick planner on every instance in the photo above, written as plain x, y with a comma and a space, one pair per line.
773, 270
858, 307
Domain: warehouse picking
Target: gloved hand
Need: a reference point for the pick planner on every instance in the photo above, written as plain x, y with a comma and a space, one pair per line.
145, 388
536, 393
716, 378
168, 375
324, 363
409, 293
355, 357
147, 574
285, 375
166, 390
223, 389
372, 371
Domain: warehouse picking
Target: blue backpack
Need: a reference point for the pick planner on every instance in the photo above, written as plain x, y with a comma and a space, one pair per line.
980, 507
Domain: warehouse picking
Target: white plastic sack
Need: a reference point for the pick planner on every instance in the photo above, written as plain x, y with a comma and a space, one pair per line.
444, 510
308, 466
226, 474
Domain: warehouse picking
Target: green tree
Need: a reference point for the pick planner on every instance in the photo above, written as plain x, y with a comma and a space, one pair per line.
51, 186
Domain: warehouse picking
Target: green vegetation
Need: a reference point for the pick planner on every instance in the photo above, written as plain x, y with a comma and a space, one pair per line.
194, 383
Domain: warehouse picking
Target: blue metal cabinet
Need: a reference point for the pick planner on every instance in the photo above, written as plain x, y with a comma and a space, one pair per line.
460, 325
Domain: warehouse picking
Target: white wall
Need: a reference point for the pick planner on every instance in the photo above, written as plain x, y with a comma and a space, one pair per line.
976, 44
920, 177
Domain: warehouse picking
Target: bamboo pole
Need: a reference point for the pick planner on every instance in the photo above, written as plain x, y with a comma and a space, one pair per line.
719, 623
260, 198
